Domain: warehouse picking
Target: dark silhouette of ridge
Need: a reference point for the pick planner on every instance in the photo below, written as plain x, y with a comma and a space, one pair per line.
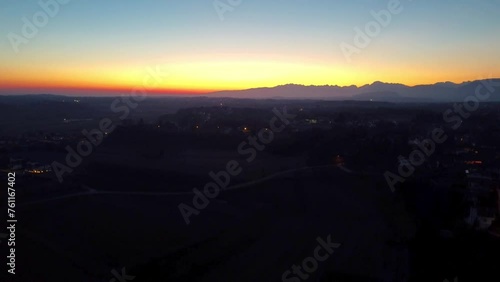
380, 91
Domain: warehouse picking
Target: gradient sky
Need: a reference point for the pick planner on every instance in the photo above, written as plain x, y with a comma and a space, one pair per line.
89, 46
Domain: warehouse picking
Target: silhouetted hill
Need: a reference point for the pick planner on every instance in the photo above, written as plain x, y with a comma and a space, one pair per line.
380, 91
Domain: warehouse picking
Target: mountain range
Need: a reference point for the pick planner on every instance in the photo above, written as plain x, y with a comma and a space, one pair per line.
377, 91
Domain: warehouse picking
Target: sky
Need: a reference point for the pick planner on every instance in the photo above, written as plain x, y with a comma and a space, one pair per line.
86, 46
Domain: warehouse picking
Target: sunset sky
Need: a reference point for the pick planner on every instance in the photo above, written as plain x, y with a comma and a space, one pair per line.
102, 46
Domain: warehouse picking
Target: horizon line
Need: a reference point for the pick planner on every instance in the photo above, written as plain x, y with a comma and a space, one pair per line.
107, 91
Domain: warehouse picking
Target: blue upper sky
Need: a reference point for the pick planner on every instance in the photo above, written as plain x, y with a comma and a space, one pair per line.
259, 42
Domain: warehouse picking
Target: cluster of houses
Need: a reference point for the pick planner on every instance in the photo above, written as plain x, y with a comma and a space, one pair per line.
30, 142
482, 195
28, 167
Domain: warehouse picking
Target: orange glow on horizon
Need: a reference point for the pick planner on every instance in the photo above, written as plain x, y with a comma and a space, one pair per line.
105, 90
207, 76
